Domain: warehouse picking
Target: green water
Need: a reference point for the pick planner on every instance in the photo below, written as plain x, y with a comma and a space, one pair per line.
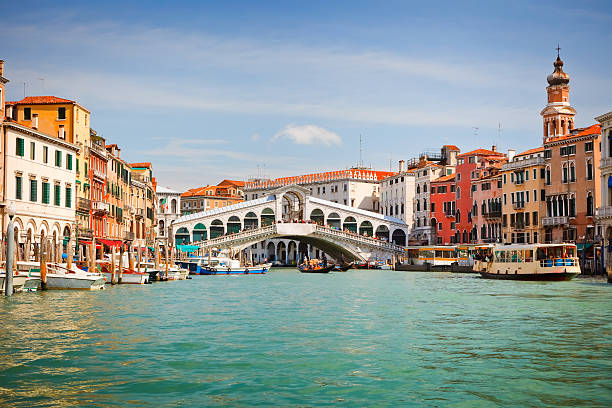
361, 338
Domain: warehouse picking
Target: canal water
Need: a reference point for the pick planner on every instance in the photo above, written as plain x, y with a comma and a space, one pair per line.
361, 338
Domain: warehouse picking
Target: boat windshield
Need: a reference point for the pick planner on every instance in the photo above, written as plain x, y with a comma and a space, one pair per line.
553, 252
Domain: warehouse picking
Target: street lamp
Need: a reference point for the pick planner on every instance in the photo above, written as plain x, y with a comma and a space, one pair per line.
10, 251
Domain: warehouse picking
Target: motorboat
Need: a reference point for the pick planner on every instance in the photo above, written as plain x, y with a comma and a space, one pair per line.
59, 276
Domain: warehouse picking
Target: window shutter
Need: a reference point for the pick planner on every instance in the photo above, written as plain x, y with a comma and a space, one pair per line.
33, 190
68, 197
20, 147
56, 195
18, 187
46, 191
69, 161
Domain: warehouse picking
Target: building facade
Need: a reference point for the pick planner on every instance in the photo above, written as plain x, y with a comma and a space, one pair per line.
397, 194
604, 211
444, 210
143, 200
487, 206
168, 209
205, 198
39, 180
524, 202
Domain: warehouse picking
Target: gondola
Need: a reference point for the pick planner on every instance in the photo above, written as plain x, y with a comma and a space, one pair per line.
344, 267
320, 269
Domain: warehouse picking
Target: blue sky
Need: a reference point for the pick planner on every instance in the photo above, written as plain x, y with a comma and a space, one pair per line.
213, 90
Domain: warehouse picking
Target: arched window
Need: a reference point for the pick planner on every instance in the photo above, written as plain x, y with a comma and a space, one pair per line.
458, 192
572, 170
418, 189
458, 217
548, 175
564, 177
418, 202
173, 206
589, 170
590, 209
572, 206
418, 222
424, 204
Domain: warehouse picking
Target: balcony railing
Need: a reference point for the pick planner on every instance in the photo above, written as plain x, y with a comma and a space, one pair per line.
139, 212
519, 164
518, 205
550, 221
85, 233
128, 236
604, 212
83, 204
98, 149
100, 207
605, 162
99, 174
493, 214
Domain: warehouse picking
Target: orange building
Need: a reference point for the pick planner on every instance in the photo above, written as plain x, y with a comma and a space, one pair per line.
205, 198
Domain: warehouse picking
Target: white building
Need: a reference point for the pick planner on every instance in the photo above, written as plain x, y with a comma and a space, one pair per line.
357, 187
40, 174
168, 209
397, 194
604, 213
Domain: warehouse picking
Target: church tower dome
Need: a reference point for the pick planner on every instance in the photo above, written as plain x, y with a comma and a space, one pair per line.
557, 115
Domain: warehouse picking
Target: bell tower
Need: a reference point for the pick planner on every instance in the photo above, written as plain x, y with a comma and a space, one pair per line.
558, 115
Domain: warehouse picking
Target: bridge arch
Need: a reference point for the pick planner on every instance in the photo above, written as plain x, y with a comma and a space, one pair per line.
317, 216
399, 237
292, 203
281, 252
250, 220
350, 224
199, 232
234, 225
216, 228
267, 216
182, 236
366, 228
334, 220
271, 251
382, 232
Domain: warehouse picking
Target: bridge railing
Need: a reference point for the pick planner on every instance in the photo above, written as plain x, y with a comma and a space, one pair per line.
270, 229
361, 238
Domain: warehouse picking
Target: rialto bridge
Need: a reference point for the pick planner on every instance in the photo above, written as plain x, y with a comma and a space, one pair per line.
291, 223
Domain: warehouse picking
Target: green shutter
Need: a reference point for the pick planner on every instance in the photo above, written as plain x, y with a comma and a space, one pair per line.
77, 164
86, 168
56, 195
33, 190
18, 184
58, 158
69, 161
68, 197
20, 147
46, 193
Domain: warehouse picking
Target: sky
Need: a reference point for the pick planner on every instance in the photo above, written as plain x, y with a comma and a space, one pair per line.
209, 90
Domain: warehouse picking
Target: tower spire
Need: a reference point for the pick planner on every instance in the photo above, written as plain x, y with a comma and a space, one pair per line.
558, 115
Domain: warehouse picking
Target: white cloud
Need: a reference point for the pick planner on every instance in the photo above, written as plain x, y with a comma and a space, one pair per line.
255, 137
308, 135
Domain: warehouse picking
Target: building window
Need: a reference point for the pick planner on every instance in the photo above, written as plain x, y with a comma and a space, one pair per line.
572, 169
588, 147
18, 187
46, 193
564, 177
57, 190
32, 151
61, 113
33, 190
20, 147
45, 154
589, 208
68, 197
69, 161
27, 113
58, 158
589, 170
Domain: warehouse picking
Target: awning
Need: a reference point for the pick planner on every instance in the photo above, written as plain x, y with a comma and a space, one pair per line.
583, 246
187, 248
111, 242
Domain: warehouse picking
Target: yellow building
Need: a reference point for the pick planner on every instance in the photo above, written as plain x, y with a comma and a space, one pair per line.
143, 199
524, 198
67, 120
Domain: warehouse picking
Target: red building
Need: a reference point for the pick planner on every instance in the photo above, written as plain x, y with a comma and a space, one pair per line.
97, 179
470, 167
443, 209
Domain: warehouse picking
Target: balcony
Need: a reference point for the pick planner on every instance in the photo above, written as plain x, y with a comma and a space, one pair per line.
130, 208
604, 212
128, 236
605, 162
98, 149
100, 207
518, 205
518, 226
139, 213
552, 221
493, 214
83, 204
85, 233
99, 175
519, 164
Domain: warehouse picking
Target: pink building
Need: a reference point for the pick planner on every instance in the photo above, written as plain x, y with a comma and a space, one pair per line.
487, 206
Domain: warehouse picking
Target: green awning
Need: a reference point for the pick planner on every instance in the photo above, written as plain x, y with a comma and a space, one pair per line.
187, 248
583, 246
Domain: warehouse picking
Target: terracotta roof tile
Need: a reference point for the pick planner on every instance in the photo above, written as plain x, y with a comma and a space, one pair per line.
452, 147
591, 130
531, 151
41, 100
143, 164
481, 152
444, 178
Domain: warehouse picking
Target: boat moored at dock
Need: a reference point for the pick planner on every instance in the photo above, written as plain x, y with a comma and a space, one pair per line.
530, 262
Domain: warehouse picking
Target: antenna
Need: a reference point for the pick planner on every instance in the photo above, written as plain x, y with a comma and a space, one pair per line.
558, 49
43, 84
475, 131
360, 150
24, 89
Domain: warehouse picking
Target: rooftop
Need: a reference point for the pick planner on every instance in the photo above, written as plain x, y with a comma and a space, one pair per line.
146, 165
531, 151
40, 100
578, 132
481, 152
449, 177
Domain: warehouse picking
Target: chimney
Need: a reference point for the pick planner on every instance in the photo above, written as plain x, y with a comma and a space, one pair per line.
511, 154
61, 133
1, 67
494, 148
35, 121
402, 166
9, 111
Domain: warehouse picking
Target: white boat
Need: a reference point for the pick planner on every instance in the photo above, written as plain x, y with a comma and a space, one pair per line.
60, 277
21, 283
127, 276
532, 262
